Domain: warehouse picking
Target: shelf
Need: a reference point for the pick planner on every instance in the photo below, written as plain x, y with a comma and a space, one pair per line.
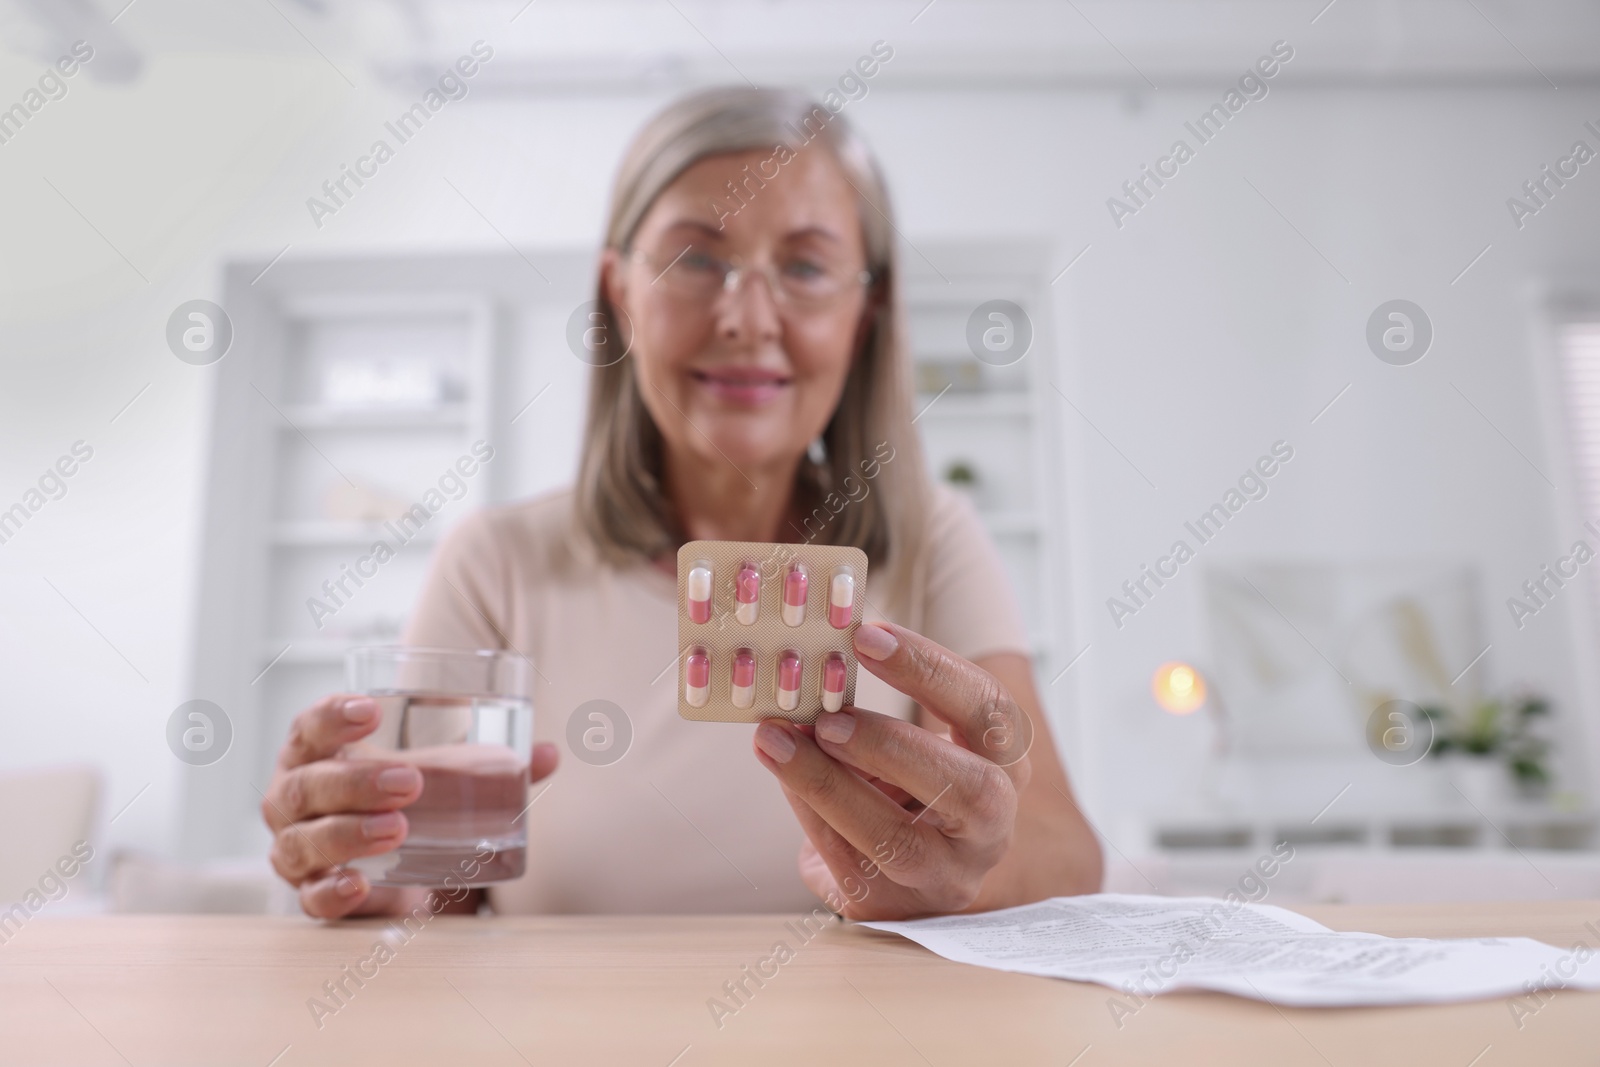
304, 653
329, 534
1463, 829
322, 417
317, 652
1009, 404
1015, 521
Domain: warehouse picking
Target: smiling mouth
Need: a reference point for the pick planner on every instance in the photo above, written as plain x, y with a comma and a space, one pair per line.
742, 386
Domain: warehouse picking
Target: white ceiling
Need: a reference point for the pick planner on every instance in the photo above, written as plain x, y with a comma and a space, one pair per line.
552, 46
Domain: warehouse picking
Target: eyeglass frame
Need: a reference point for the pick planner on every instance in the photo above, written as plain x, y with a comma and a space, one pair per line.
735, 275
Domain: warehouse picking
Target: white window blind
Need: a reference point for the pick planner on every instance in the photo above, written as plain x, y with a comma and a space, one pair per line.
1580, 372
1580, 380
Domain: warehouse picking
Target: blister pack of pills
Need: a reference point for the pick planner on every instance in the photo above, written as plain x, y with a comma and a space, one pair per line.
767, 630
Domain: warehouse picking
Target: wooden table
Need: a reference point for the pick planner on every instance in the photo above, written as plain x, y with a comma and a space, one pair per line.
595, 991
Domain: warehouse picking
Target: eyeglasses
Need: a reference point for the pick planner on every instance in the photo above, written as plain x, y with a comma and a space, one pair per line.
804, 282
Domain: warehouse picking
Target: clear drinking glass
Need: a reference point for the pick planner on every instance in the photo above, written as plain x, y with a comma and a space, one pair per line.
465, 720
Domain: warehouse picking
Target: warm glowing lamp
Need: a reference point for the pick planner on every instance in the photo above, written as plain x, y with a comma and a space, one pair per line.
1178, 688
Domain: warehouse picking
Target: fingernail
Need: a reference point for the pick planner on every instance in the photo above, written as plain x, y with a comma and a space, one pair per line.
359, 709
874, 642
836, 726
346, 886
775, 741
385, 825
399, 780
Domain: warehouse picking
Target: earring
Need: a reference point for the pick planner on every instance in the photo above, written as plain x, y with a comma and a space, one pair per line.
817, 452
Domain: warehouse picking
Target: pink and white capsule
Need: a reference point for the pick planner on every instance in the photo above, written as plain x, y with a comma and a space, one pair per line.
747, 594
789, 680
833, 682
697, 678
841, 598
794, 595
697, 589
744, 678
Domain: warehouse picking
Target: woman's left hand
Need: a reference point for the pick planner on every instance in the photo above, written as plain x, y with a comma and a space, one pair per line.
901, 821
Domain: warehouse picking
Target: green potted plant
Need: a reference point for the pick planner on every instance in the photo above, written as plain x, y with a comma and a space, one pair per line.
1500, 739
963, 476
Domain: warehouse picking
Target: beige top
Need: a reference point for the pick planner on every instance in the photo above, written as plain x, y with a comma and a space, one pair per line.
687, 820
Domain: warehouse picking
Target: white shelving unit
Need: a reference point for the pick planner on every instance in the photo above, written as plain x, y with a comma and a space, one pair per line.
352, 389
347, 462
997, 420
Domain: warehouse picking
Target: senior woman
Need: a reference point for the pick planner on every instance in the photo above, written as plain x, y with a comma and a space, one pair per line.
750, 275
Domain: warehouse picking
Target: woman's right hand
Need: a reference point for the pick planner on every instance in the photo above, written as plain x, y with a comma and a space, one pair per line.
324, 811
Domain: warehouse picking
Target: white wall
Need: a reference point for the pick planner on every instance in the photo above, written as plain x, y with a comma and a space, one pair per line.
1193, 337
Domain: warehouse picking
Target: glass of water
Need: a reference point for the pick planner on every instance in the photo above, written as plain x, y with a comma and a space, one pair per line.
465, 720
